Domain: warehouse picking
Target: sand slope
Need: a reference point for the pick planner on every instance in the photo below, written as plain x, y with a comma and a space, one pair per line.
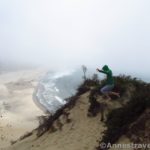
81, 133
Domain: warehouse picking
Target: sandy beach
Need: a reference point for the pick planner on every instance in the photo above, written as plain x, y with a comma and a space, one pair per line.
18, 112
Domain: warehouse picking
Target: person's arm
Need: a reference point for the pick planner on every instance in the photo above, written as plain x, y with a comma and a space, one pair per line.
102, 71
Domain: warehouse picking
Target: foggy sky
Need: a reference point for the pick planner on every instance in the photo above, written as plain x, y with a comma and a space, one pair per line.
70, 33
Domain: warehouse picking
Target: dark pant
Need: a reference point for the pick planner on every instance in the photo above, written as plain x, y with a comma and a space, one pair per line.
107, 88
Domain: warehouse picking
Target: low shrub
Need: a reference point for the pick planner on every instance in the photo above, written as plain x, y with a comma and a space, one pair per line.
119, 120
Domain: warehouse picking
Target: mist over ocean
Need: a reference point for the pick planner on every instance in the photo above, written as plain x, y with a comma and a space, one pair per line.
55, 87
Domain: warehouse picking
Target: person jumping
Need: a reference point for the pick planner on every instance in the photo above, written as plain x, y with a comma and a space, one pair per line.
107, 89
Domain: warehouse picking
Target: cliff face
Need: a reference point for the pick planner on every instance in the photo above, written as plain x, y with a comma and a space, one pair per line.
90, 119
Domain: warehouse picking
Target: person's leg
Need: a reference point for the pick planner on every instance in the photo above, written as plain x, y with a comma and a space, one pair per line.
105, 91
110, 88
114, 93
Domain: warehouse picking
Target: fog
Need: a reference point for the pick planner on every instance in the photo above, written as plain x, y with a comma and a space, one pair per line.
69, 33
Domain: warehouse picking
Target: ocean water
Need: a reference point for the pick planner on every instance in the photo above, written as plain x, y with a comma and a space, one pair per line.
55, 87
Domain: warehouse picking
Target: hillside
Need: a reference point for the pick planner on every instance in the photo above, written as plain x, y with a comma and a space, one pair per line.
90, 119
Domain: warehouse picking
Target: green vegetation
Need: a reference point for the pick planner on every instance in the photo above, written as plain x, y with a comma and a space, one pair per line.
119, 120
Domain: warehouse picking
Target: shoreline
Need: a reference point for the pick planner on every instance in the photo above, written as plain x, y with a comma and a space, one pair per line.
37, 103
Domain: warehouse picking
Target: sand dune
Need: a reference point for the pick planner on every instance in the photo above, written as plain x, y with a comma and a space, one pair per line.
81, 133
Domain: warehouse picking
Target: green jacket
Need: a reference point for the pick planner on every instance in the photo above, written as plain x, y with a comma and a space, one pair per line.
109, 74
